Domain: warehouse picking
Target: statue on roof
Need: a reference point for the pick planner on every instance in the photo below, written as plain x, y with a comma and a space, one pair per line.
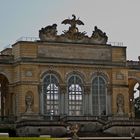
98, 36
48, 33
73, 32
73, 22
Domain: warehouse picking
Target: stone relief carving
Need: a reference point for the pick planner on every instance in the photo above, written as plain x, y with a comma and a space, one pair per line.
28, 73
120, 105
119, 76
29, 103
73, 34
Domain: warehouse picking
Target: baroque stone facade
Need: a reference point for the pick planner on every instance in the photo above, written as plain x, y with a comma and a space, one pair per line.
60, 80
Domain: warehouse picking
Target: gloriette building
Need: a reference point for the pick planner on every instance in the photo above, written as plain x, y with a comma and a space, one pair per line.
50, 84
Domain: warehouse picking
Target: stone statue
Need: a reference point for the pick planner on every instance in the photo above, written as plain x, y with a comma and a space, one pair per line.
73, 32
48, 33
98, 37
120, 105
73, 22
29, 103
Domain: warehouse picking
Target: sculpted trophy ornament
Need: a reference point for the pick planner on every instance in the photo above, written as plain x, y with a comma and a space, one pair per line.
29, 103
49, 33
29, 113
120, 105
98, 37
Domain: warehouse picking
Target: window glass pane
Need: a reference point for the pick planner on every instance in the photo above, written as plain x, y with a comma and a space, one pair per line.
51, 96
75, 96
48, 97
99, 96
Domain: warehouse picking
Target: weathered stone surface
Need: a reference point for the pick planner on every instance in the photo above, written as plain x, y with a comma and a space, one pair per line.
77, 51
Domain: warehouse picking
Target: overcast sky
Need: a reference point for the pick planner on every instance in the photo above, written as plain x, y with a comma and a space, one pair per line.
120, 19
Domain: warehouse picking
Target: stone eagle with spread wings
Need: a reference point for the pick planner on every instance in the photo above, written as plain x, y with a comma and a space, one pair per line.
73, 22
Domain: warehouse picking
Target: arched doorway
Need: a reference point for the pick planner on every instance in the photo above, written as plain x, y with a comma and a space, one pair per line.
134, 97
4, 102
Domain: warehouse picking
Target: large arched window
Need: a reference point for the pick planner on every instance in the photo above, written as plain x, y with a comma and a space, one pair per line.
99, 96
75, 96
50, 95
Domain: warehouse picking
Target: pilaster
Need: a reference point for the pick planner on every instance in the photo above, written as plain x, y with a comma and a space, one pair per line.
87, 100
63, 99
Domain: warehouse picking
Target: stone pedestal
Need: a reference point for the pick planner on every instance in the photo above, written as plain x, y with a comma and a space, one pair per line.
29, 116
120, 117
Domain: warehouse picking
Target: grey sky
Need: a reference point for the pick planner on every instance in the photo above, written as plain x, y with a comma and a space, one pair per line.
118, 18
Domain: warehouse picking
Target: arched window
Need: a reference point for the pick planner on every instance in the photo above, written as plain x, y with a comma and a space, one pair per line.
51, 95
75, 96
99, 95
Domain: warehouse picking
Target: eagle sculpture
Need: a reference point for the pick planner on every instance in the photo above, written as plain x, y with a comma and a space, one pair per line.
73, 21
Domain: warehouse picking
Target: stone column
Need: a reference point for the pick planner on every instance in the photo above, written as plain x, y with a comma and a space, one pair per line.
109, 102
87, 100
63, 99
133, 105
41, 102
10, 97
120, 105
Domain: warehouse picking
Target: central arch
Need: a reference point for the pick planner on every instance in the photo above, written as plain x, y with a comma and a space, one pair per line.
75, 95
